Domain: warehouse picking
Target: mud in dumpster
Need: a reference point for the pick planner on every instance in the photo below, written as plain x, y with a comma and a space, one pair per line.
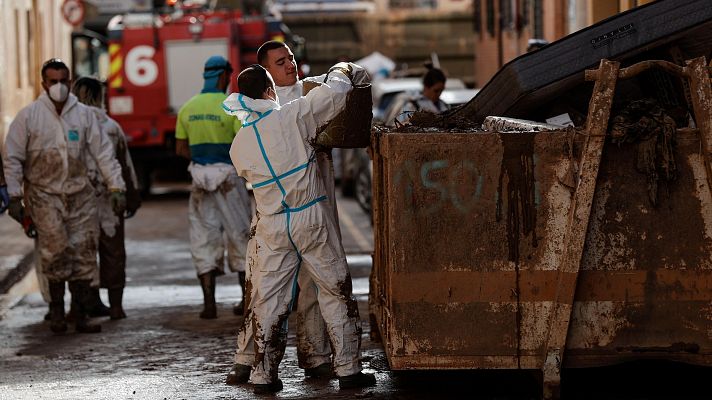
543, 250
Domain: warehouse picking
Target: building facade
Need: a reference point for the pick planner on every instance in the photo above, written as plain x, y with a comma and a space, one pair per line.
503, 27
31, 31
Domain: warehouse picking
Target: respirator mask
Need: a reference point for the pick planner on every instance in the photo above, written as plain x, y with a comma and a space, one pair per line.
58, 92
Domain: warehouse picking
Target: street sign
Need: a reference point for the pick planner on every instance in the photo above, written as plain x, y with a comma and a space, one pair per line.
73, 11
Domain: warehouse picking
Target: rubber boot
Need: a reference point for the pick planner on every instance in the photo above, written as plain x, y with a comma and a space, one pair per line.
238, 374
239, 309
56, 307
268, 388
116, 310
81, 301
320, 371
207, 283
356, 380
96, 307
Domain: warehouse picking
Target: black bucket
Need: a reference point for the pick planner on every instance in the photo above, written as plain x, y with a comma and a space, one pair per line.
352, 127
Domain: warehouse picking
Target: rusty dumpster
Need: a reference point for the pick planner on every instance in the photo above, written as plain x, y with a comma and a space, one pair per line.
543, 250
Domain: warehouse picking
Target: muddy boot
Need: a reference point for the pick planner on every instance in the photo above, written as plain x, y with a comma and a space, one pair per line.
238, 374
96, 307
116, 311
321, 371
56, 307
81, 301
357, 380
267, 388
72, 313
239, 309
207, 283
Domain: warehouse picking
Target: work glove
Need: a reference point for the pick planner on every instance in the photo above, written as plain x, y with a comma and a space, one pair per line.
118, 201
4, 199
356, 74
133, 203
359, 75
15, 209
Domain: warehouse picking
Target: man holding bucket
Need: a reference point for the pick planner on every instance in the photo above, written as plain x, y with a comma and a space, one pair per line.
296, 228
313, 347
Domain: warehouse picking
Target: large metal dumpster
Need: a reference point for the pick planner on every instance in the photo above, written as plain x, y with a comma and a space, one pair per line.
541, 250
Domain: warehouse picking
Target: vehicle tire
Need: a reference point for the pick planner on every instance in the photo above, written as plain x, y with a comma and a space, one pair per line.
348, 168
362, 187
347, 187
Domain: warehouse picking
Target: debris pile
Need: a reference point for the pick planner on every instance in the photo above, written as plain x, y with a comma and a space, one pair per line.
646, 124
423, 121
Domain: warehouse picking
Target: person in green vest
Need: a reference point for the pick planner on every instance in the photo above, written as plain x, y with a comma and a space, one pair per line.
219, 208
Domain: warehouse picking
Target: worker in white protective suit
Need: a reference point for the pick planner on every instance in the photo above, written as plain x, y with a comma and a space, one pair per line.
313, 347
112, 249
111, 273
296, 229
219, 203
48, 146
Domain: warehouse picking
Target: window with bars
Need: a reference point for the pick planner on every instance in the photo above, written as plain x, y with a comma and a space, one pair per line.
525, 13
538, 19
506, 14
490, 17
477, 16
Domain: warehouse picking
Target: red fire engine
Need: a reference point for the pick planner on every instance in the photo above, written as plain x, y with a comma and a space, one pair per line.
155, 66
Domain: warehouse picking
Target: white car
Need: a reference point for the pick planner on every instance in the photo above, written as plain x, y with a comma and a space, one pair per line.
451, 97
384, 92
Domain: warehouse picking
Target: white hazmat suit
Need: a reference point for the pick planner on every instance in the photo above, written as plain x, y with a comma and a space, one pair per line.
313, 347
50, 153
296, 228
219, 203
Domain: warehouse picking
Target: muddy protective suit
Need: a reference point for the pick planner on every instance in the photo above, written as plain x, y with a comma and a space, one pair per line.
112, 252
51, 153
219, 203
111, 273
313, 347
296, 228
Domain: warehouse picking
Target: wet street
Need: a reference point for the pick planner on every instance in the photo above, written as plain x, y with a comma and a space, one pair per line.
164, 351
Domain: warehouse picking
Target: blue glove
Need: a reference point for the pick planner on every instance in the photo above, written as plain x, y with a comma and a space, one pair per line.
4, 199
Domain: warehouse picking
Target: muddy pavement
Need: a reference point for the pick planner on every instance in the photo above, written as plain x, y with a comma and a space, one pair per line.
164, 351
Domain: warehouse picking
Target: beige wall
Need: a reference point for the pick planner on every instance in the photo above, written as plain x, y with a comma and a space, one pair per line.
442, 6
598, 10
408, 38
624, 5
514, 43
31, 31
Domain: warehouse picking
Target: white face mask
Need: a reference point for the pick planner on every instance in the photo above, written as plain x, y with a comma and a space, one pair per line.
58, 92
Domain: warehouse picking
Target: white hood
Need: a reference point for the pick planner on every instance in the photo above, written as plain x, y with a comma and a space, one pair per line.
242, 107
100, 113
